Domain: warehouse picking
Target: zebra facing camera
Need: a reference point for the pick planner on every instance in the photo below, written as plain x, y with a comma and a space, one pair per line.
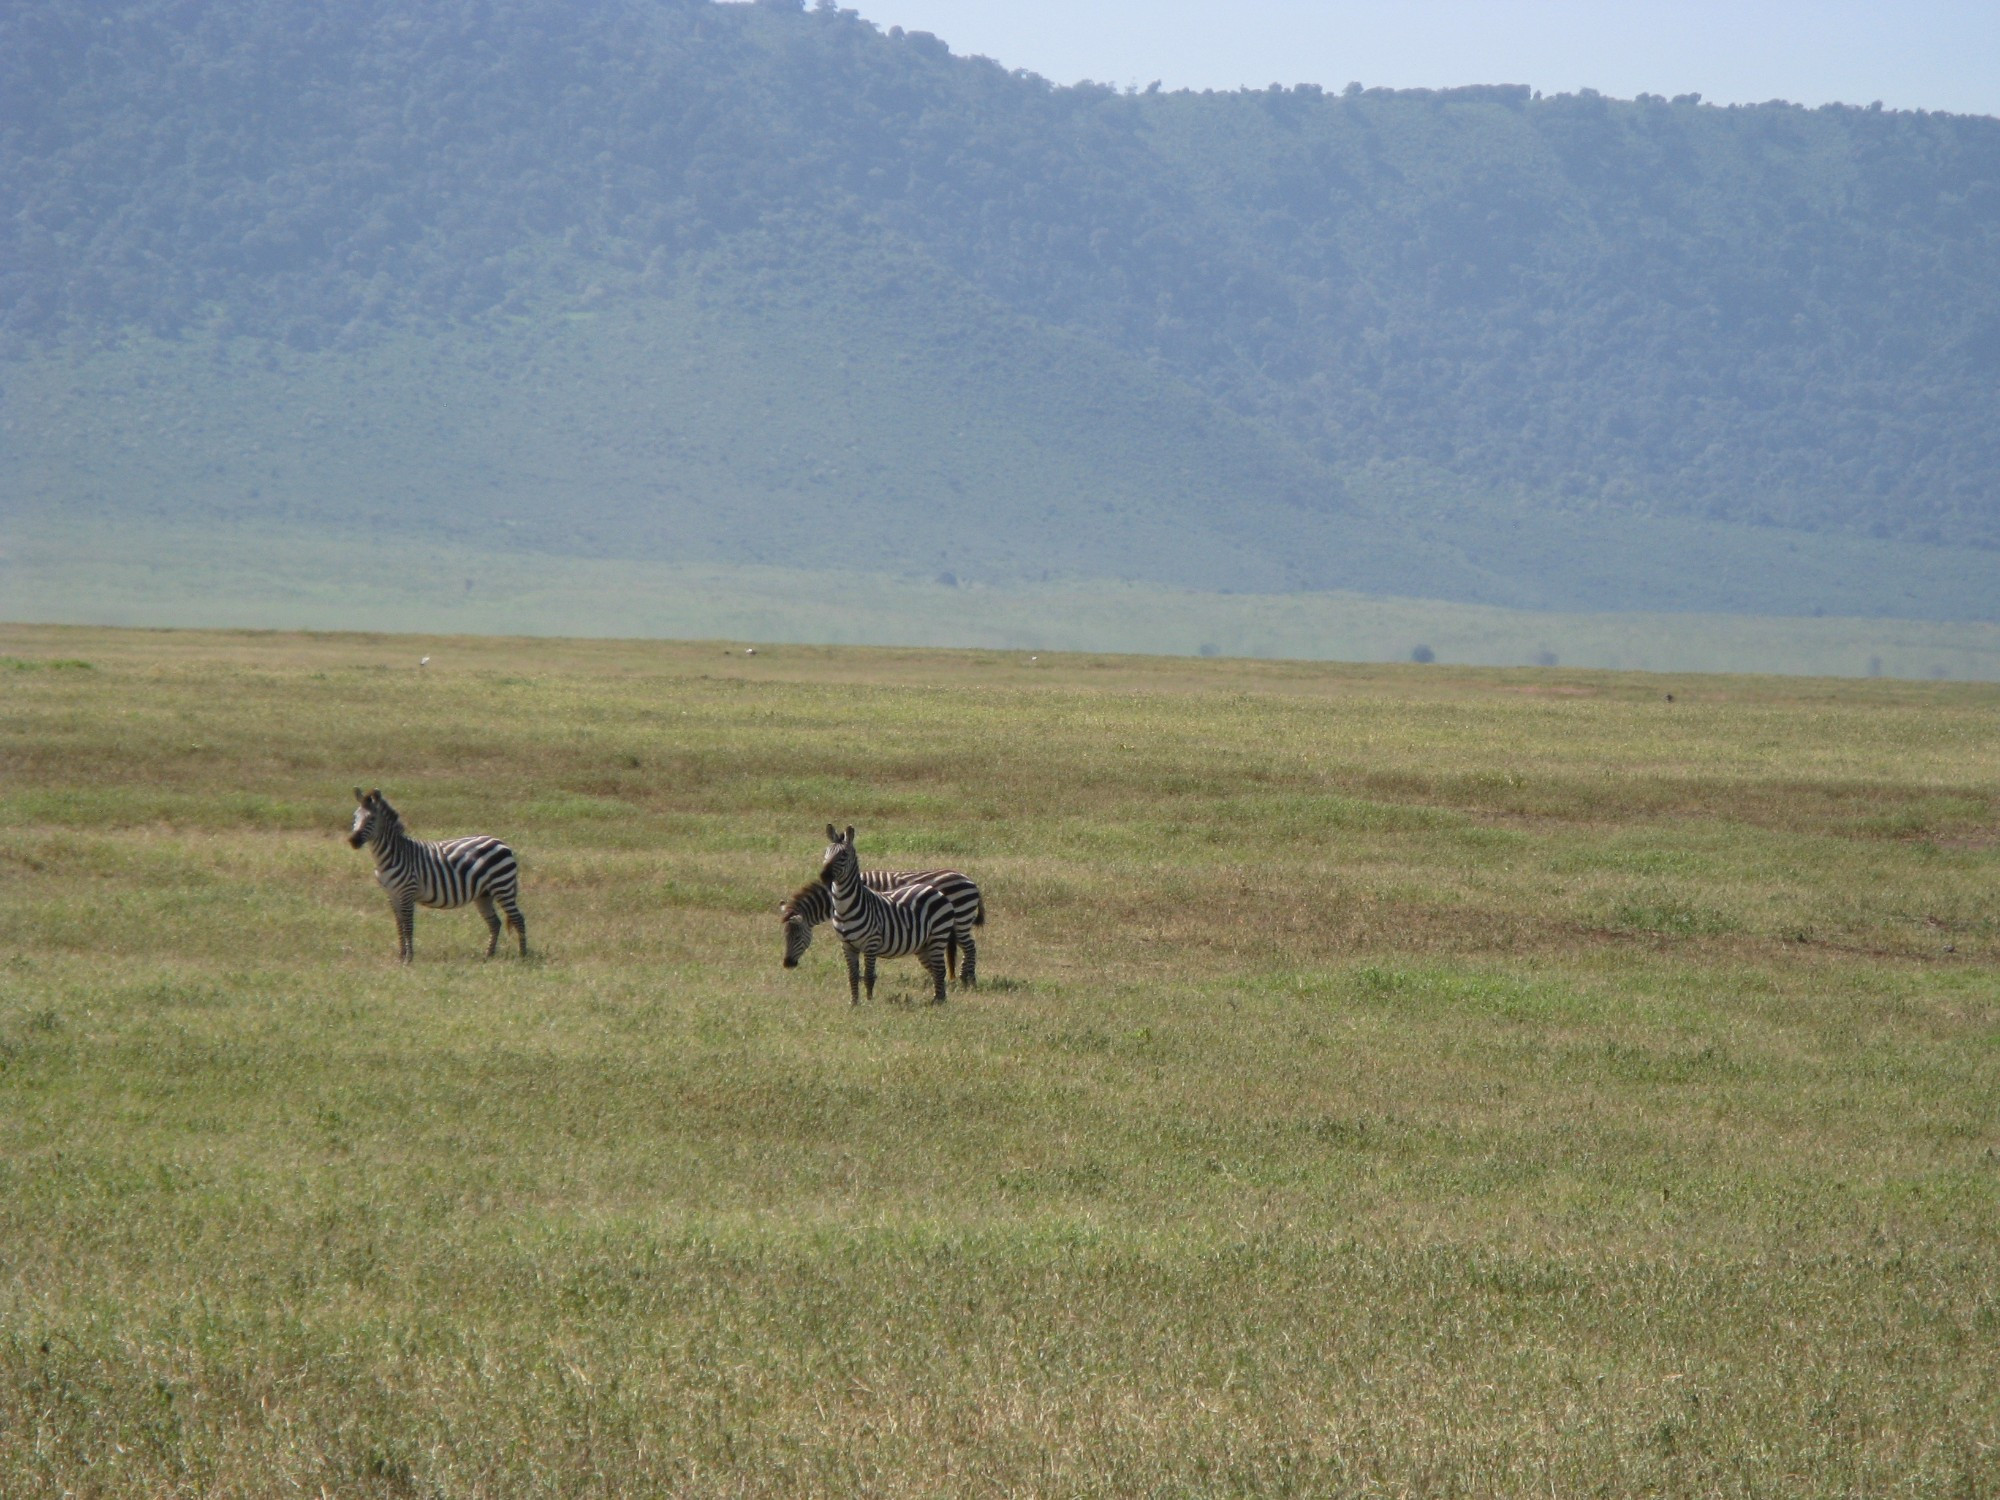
887, 914
477, 869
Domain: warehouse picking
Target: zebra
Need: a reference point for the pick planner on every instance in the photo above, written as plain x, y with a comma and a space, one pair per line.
812, 904
912, 919
450, 873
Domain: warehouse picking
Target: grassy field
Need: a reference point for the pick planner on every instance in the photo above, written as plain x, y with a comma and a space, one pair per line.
1384, 1080
244, 576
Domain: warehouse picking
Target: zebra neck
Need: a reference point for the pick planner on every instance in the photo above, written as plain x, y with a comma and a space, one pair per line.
392, 847
851, 898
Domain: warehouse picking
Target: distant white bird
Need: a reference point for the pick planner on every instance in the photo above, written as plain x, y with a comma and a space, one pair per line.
749, 650
1034, 658
423, 661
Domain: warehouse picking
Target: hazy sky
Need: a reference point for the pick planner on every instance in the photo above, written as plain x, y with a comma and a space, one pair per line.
1911, 54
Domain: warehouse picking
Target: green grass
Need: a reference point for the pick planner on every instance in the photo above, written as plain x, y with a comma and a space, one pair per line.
1384, 1080
241, 575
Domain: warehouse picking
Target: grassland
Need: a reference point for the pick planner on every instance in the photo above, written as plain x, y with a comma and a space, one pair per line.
1385, 1080
243, 575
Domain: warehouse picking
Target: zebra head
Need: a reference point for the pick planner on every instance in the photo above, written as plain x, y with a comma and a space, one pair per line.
800, 912
840, 862
372, 818
798, 933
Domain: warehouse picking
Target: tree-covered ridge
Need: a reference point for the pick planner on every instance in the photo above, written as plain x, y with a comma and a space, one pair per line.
1758, 314
1768, 314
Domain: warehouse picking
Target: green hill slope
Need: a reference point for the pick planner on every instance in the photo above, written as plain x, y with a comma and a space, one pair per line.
753, 285
1770, 315
748, 418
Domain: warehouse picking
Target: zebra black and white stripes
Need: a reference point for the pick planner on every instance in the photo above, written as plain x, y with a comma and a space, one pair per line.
912, 919
812, 904
445, 874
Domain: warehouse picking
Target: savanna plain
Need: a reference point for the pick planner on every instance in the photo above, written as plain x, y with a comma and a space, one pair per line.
1382, 1080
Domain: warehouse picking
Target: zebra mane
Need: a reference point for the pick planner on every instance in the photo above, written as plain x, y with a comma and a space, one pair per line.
798, 898
375, 802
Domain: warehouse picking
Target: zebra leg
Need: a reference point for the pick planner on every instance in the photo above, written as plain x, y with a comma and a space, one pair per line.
933, 959
853, 975
406, 929
516, 921
868, 974
968, 969
485, 904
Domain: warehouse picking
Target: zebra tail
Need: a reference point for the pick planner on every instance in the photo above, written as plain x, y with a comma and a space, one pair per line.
951, 955
979, 912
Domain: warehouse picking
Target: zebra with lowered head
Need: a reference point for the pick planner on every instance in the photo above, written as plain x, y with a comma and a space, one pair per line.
812, 904
912, 919
416, 872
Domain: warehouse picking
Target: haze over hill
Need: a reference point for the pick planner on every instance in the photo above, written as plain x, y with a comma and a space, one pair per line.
662, 279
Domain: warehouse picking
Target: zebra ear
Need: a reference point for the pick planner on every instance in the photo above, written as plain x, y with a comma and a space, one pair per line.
850, 833
832, 834
361, 796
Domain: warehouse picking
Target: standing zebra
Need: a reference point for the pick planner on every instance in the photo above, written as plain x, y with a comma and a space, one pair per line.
912, 919
446, 874
812, 904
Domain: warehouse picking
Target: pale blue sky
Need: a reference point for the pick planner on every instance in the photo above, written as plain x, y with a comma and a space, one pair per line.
1916, 54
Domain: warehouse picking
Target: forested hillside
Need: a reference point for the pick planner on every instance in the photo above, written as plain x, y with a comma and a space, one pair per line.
1403, 313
